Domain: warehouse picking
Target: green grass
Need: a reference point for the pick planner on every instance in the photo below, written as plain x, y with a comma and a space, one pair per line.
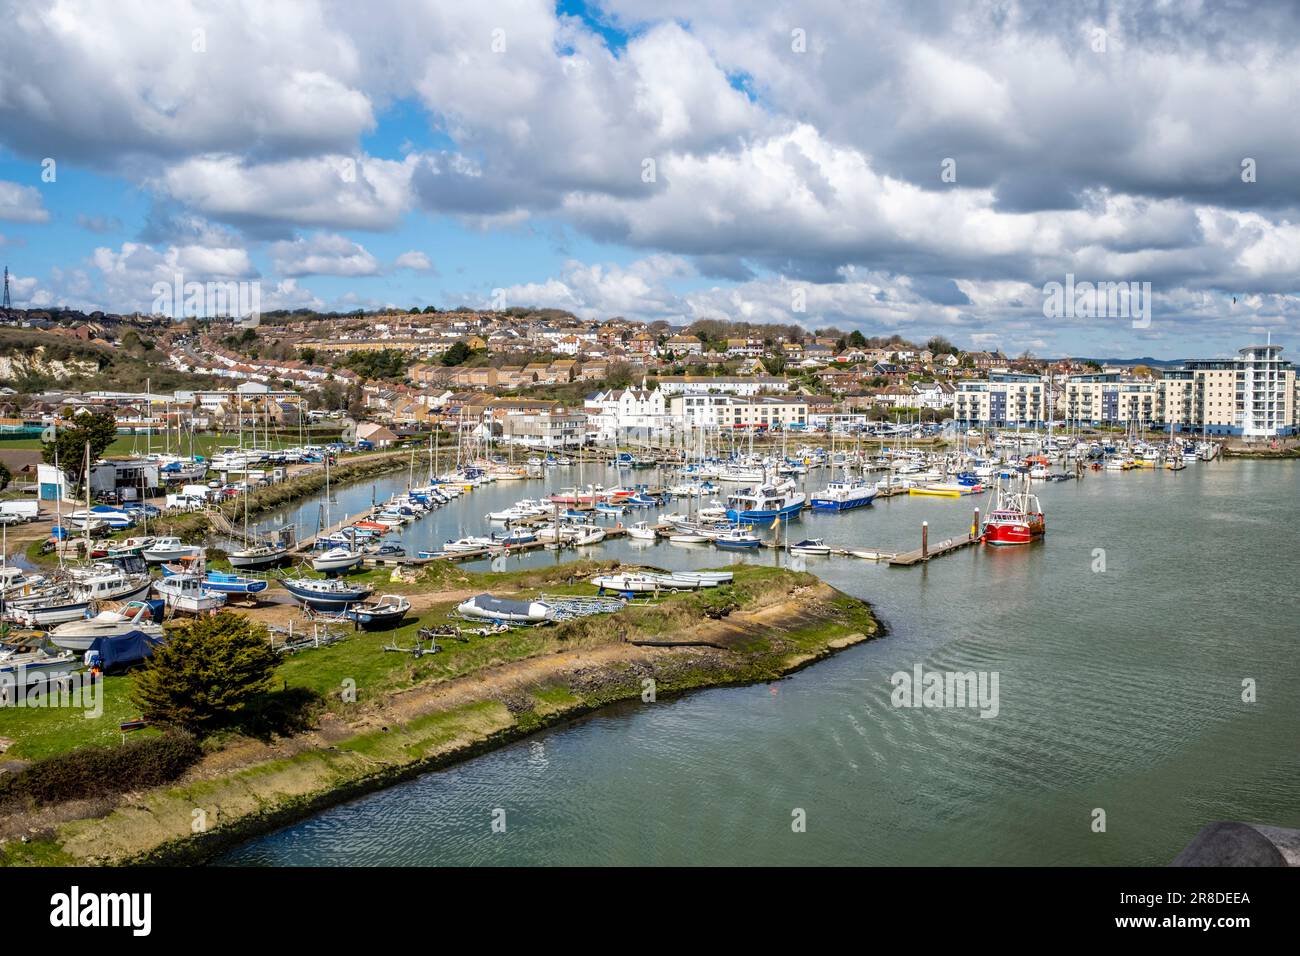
46, 731
360, 658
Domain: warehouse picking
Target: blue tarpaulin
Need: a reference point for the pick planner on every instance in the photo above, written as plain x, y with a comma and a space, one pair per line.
120, 652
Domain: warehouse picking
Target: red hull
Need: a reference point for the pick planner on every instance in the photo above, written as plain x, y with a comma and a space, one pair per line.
1014, 531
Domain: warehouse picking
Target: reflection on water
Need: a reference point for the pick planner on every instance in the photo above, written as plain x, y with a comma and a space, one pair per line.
1119, 689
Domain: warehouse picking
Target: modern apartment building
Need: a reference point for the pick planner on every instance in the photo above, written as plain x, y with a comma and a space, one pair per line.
1004, 398
729, 411
1253, 396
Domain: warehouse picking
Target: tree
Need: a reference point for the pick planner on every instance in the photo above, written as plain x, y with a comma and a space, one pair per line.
618, 375
207, 673
457, 354
5, 476
71, 436
857, 339
941, 346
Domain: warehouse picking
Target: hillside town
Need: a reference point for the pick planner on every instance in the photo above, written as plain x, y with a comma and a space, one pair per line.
546, 379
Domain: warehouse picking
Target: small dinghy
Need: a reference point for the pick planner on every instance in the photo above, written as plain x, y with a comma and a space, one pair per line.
500, 609
381, 615
689, 537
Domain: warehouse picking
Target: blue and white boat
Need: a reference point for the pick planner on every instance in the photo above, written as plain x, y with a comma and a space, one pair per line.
843, 496
737, 539
326, 594
233, 583
114, 518
515, 537
382, 615
765, 504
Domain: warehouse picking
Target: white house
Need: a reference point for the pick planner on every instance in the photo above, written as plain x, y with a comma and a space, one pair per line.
744, 385
616, 413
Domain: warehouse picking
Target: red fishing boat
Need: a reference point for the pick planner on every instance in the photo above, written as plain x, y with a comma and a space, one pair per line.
1016, 518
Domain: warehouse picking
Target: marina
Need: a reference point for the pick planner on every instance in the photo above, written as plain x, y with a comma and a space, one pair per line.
1025, 612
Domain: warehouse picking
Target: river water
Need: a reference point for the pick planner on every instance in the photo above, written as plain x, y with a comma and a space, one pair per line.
1121, 644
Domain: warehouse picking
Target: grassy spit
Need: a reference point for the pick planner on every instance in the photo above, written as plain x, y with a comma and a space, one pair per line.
411, 715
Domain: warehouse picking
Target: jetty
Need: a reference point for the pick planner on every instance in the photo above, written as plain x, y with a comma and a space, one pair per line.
928, 551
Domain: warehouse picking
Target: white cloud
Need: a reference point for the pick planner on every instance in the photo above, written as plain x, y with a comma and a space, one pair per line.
335, 191
323, 254
415, 261
21, 203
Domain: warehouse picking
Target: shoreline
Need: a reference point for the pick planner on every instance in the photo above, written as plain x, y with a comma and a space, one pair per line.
250, 788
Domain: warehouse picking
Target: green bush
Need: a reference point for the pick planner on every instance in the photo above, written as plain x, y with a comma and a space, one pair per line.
207, 673
102, 771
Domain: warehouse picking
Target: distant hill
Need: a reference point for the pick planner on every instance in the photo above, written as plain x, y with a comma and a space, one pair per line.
33, 361
1145, 360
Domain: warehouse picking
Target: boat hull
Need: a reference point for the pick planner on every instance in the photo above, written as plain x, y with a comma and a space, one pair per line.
787, 511
326, 600
254, 562
1009, 533
834, 504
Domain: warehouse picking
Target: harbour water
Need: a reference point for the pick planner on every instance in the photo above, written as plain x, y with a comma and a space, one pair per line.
1120, 690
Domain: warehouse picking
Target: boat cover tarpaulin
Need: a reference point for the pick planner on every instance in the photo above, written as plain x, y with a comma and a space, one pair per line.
503, 609
123, 650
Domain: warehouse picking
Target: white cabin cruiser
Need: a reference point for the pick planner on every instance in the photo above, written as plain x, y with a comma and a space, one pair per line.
135, 617
168, 548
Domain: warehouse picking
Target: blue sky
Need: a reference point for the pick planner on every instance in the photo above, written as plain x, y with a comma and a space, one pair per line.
795, 155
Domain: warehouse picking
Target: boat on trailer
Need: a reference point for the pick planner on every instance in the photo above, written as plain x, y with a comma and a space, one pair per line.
502, 609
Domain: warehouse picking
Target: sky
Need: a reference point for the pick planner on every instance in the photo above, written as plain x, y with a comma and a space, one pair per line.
922, 168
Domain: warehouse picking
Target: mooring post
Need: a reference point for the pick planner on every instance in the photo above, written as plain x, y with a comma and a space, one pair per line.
975, 528
925, 540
